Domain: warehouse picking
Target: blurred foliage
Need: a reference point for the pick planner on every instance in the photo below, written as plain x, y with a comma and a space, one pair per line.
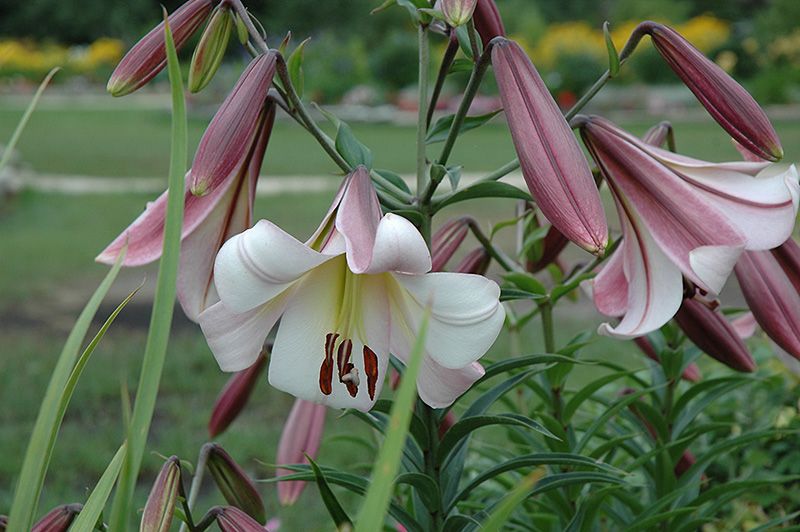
32, 61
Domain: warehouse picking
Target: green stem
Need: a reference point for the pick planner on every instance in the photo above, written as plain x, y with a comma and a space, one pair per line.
255, 35
424, 67
444, 69
197, 482
546, 311
430, 454
506, 262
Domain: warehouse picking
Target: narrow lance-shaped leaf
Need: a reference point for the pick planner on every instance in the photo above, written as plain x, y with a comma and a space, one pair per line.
93, 508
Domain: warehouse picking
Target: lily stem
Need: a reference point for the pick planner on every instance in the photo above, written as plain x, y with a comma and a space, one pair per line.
422, 130
432, 468
444, 69
197, 482
506, 262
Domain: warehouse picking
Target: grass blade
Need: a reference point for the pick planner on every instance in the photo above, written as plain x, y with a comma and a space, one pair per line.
12, 143
163, 301
43, 437
373, 510
498, 518
93, 508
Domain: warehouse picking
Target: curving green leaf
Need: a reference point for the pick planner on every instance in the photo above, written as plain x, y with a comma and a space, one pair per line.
93, 508
335, 509
467, 425
483, 189
498, 518
441, 128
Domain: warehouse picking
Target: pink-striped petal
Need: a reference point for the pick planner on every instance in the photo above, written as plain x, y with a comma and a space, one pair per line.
301, 436
357, 219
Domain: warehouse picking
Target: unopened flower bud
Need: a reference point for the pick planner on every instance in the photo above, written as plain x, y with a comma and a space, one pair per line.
686, 461
210, 50
301, 437
148, 57
788, 257
552, 162
448, 421
234, 484
487, 21
714, 335
727, 101
232, 519
691, 373
228, 139
234, 397
160, 507
446, 241
458, 12
476, 261
658, 134
553, 244
58, 519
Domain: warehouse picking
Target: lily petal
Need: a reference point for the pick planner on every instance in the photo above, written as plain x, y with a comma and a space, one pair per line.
438, 386
466, 315
260, 263
357, 219
399, 247
610, 287
236, 338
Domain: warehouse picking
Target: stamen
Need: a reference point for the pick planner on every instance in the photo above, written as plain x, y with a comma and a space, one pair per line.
371, 369
348, 374
326, 370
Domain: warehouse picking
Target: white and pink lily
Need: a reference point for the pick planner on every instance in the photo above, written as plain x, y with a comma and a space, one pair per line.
681, 217
351, 295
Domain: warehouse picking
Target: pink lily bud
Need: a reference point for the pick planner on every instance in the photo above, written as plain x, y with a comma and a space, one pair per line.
448, 421
788, 256
727, 101
227, 142
301, 437
58, 519
772, 297
553, 164
487, 21
160, 507
234, 397
714, 335
232, 519
553, 244
148, 57
446, 241
476, 261
458, 12
691, 373
234, 484
658, 134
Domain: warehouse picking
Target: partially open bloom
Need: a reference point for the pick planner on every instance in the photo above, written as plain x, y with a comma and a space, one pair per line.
352, 294
148, 57
208, 221
160, 507
58, 519
770, 282
301, 437
551, 159
680, 217
727, 101
487, 21
234, 396
714, 335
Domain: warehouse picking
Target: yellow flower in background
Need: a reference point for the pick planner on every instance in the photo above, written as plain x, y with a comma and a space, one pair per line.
569, 38
29, 58
786, 49
705, 32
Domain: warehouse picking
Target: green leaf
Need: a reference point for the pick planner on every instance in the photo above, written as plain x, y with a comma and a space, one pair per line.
500, 516
525, 361
613, 55
526, 282
466, 426
295, 66
163, 300
425, 487
395, 179
514, 294
338, 514
373, 509
459, 523
8, 150
48, 421
93, 508
351, 149
483, 189
441, 128
587, 391
462, 34
461, 65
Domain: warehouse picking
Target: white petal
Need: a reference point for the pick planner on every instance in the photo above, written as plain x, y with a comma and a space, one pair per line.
399, 247
714, 264
236, 338
260, 263
438, 386
299, 349
466, 314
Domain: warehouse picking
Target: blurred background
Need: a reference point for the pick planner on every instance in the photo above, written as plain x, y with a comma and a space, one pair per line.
87, 164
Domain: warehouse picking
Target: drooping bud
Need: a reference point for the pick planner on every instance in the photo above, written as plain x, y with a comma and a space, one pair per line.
229, 137
487, 21
58, 519
232, 519
691, 373
234, 397
210, 50
772, 297
160, 507
148, 57
234, 484
727, 101
446, 241
458, 12
788, 256
301, 437
658, 134
714, 335
552, 162
553, 244
476, 261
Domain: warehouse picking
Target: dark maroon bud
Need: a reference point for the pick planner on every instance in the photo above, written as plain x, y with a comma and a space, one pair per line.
58, 519
234, 396
487, 21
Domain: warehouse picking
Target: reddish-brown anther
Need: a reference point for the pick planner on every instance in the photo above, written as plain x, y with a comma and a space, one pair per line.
691, 373
714, 335
234, 397
229, 137
727, 101
488, 22
771, 295
552, 162
148, 56
58, 519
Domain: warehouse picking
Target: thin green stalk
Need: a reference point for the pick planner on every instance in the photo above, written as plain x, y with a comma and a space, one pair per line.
422, 130
432, 466
444, 69
548, 333
255, 35
197, 481
497, 254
